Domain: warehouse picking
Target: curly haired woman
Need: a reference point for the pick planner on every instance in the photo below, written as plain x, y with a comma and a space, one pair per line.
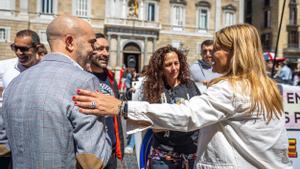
167, 81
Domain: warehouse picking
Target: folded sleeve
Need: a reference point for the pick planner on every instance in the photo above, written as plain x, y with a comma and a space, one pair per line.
211, 107
92, 142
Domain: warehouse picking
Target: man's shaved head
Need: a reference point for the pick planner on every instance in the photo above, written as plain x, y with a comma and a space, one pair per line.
63, 25
72, 36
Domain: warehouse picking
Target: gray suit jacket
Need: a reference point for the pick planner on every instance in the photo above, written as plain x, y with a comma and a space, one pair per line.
44, 128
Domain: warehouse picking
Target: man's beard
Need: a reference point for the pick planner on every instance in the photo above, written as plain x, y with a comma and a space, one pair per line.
83, 58
99, 63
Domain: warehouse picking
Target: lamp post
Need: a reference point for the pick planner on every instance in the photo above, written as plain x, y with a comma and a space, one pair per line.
277, 41
183, 50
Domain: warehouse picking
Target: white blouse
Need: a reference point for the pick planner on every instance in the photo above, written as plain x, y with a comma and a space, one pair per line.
229, 138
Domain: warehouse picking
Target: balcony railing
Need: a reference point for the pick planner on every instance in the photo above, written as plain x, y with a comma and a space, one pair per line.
132, 23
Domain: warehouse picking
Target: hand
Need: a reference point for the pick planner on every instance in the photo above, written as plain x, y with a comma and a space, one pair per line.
104, 104
205, 82
131, 90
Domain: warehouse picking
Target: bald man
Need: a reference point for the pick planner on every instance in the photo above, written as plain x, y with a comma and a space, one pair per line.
44, 128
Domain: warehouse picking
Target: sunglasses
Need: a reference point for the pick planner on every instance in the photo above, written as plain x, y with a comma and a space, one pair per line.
15, 48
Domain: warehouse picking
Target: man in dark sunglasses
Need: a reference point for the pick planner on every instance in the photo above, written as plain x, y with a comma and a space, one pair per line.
25, 46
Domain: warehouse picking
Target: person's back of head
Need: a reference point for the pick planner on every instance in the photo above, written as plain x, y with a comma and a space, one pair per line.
72, 36
243, 43
246, 64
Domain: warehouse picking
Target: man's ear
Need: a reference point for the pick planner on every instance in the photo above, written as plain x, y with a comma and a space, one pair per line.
69, 41
37, 54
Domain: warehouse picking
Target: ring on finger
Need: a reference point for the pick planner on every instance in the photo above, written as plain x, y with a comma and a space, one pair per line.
93, 105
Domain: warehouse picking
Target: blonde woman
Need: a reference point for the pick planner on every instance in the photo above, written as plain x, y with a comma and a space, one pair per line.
240, 116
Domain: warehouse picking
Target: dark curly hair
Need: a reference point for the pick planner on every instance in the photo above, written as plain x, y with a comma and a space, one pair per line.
154, 78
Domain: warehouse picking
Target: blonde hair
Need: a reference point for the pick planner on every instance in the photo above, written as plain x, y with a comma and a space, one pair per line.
247, 66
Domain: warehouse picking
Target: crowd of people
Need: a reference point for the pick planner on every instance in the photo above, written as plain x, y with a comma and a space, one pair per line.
283, 71
64, 109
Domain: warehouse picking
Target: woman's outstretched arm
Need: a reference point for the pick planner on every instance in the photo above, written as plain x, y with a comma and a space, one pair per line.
213, 106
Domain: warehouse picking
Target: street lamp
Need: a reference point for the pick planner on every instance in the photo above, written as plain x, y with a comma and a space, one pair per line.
183, 50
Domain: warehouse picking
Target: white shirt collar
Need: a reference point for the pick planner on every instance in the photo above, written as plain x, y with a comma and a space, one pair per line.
73, 61
19, 67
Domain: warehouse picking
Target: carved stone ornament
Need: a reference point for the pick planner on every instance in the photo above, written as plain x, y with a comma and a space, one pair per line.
203, 4
182, 2
229, 7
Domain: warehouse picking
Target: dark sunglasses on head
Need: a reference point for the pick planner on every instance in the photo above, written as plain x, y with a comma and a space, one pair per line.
15, 48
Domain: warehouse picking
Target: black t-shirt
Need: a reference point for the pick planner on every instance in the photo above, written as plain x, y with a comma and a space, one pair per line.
174, 141
103, 78
107, 88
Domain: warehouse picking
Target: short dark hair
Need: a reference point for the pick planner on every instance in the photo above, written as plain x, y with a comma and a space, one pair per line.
207, 43
100, 35
35, 39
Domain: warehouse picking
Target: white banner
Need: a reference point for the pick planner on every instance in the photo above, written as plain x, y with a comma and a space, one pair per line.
291, 103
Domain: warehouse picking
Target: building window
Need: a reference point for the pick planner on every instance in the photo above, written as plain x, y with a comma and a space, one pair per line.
293, 12
229, 12
266, 41
82, 8
267, 19
229, 18
43, 36
47, 6
267, 3
178, 17
151, 12
249, 7
202, 18
293, 39
117, 9
5, 4
248, 17
4, 34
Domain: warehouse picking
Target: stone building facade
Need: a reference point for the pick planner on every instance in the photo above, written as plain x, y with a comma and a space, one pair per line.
266, 15
135, 28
